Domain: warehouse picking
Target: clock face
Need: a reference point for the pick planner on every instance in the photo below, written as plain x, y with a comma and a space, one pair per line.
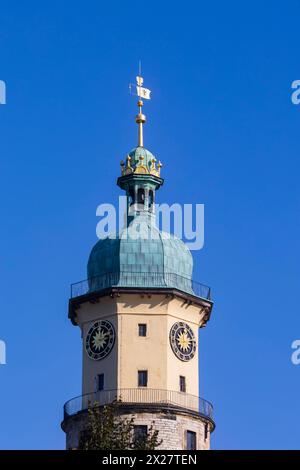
183, 341
100, 340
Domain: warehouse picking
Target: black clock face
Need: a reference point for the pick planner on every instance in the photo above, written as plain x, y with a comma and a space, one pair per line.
100, 340
182, 340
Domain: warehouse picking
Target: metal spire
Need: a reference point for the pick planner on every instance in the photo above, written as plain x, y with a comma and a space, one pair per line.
141, 92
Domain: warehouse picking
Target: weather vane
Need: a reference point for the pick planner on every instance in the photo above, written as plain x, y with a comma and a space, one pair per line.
141, 92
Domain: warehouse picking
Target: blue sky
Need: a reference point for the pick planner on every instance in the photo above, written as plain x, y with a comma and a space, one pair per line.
222, 122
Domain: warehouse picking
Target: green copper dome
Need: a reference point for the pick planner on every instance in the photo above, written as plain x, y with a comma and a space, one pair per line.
141, 256
139, 154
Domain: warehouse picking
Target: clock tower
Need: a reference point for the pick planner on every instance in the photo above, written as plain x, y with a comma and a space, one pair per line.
139, 313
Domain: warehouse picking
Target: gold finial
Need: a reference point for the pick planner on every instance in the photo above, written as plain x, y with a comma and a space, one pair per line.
140, 119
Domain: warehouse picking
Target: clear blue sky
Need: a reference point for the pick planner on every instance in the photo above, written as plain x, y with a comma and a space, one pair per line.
222, 122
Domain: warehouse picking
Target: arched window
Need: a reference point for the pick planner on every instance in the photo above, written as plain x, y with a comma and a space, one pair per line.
131, 196
141, 196
150, 199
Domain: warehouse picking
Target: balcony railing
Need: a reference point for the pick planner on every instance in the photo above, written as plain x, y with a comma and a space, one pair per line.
140, 396
140, 280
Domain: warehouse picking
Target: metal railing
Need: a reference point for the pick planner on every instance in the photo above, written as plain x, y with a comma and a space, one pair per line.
140, 280
140, 396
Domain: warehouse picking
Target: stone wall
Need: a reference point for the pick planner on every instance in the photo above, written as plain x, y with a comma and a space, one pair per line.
172, 427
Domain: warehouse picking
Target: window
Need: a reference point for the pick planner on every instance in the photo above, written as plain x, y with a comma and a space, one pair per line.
140, 433
151, 198
191, 440
131, 197
182, 384
141, 196
205, 431
84, 437
100, 382
142, 378
142, 329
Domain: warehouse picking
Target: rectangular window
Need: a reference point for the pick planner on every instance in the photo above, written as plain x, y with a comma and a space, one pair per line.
142, 378
191, 440
206, 431
140, 433
182, 384
100, 382
142, 329
84, 437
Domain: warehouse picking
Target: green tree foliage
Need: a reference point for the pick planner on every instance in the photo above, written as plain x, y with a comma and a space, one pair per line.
107, 430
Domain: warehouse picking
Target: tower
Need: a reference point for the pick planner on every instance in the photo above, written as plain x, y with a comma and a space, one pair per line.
139, 312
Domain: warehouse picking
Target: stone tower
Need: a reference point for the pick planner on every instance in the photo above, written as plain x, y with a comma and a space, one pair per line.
139, 312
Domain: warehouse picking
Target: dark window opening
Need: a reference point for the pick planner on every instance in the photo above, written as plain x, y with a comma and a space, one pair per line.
150, 198
142, 329
131, 196
100, 382
191, 440
140, 433
206, 431
142, 378
140, 196
84, 437
182, 383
